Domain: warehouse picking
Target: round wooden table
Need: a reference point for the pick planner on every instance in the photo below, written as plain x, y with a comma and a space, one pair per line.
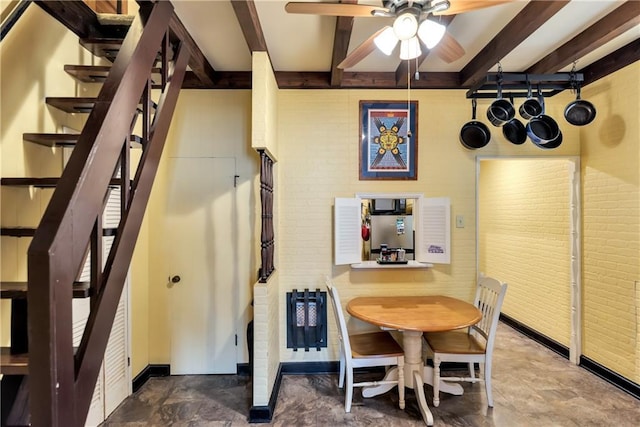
414, 315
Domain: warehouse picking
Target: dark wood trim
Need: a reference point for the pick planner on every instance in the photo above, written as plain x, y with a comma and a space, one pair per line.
13, 17
610, 376
555, 346
148, 372
244, 369
620, 20
341, 39
530, 18
250, 25
80, 19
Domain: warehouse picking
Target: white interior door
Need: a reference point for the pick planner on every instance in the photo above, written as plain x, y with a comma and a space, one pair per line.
200, 225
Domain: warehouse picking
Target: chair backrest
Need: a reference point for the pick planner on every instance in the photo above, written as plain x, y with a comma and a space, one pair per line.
489, 297
343, 334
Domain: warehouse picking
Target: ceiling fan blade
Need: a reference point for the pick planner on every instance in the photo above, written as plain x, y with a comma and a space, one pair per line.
361, 52
333, 9
449, 50
461, 6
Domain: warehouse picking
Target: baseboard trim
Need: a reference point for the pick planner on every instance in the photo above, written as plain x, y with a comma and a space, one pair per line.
536, 336
148, 372
595, 368
243, 369
610, 376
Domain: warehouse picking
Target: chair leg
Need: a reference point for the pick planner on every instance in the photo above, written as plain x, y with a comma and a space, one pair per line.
436, 381
472, 372
349, 395
487, 384
401, 381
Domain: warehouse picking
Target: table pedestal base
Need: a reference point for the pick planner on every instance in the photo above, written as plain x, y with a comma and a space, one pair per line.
416, 375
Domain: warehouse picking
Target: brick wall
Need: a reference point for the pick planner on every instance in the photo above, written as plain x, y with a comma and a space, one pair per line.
611, 218
524, 239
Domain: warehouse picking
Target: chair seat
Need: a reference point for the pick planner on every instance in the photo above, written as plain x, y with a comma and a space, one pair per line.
454, 343
374, 344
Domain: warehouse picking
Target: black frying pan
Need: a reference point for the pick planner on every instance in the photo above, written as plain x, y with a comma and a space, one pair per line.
474, 134
514, 130
579, 112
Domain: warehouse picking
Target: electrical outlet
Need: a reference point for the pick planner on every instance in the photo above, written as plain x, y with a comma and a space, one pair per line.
459, 221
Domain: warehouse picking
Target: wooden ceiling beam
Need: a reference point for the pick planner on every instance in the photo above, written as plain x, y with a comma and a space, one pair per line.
606, 29
250, 24
341, 38
530, 18
611, 63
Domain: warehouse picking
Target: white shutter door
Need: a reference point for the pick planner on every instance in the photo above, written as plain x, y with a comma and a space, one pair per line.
433, 234
80, 315
116, 369
347, 239
116, 366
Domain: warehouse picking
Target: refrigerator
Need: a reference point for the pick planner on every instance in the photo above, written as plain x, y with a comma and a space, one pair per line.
396, 231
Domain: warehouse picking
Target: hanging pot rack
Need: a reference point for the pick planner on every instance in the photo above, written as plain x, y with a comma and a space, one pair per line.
516, 84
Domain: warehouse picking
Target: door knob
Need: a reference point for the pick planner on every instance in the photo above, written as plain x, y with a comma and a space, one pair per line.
175, 279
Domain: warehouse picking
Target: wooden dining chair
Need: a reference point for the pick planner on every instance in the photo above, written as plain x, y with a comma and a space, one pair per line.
474, 346
364, 350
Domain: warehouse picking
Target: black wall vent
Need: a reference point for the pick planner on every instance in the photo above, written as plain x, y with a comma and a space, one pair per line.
306, 319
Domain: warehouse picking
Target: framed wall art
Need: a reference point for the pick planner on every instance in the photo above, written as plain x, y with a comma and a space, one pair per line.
388, 140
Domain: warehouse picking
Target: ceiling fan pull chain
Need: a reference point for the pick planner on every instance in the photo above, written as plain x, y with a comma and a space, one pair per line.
408, 98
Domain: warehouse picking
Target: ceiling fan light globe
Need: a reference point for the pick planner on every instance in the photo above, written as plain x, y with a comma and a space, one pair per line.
405, 26
386, 41
431, 33
410, 49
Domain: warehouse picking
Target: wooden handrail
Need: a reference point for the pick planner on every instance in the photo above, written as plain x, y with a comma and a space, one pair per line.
61, 384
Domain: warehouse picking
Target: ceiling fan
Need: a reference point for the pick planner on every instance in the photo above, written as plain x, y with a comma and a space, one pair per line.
411, 27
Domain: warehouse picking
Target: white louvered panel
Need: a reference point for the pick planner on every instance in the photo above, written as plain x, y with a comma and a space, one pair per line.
111, 215
85, 274
96, 408
115, 359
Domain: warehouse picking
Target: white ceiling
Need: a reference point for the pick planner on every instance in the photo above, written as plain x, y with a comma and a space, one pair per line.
298, 42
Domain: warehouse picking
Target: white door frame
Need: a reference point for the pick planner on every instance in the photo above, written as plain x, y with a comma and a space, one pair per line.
575, 233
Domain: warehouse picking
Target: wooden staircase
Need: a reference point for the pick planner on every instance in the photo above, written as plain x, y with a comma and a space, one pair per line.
46, 381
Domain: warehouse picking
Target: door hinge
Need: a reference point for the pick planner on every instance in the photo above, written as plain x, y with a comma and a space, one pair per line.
128, 361
236, 340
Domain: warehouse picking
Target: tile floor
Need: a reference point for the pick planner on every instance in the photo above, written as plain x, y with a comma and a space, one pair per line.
532, 386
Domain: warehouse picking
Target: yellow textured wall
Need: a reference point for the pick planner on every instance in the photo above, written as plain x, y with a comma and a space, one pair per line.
611, 222
524, 239
319, 144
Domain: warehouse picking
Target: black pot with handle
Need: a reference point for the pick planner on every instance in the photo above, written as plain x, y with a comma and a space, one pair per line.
543, 130
579, 112
501, 111
474, 134
531, 107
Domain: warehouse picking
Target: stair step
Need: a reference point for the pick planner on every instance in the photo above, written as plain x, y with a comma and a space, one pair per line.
13, 364
99, 73
42, 182
14, 290
77, 104
108, 48
104, 48
29, 232
66, 139
114, 19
